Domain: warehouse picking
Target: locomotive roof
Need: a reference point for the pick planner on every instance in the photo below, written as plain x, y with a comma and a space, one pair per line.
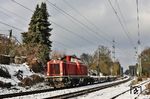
72, 56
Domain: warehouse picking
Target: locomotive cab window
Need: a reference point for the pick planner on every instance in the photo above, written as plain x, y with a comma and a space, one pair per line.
73, 60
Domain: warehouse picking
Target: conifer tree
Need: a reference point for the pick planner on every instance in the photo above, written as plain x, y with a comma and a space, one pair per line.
39, 31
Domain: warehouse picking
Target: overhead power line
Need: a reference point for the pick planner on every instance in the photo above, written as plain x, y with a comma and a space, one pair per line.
22, 5
64, 45
10, 26
21, 18
130, 40
82, 16
85, 18
87, 27
72, 32
139, 67
138, 24
123, 20
121, 14
4, 13
8, 15
6, 10
52, 22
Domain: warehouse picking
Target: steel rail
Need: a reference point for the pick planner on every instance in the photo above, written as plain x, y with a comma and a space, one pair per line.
86, 91
24, 93
127, 91
10, 95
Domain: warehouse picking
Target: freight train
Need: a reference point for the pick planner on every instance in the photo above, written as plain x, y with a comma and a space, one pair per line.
69, 71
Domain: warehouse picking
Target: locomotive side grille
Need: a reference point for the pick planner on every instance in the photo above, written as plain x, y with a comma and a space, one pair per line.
55, 69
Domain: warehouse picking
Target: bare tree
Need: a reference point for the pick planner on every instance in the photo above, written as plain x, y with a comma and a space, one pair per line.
55, 54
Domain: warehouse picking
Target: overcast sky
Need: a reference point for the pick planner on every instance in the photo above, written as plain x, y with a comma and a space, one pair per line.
89, 23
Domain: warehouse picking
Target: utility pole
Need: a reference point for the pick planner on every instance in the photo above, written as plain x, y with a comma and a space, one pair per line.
10, 34
98, 67
139, 67
113, 56
113, 51
136, 53
10, 41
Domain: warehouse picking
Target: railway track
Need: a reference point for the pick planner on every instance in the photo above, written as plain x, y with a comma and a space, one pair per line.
24, 93
86, 91
116, 96
34, 92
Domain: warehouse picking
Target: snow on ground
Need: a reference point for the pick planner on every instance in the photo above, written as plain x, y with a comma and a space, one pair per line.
59, 92
108, 93
104, 94
144, 97
26, 72
13, 69
17, 89
127, 95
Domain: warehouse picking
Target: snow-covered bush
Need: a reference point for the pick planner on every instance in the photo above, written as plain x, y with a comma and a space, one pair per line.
36, 78
4, 72
26, 82
31, 80
5, 85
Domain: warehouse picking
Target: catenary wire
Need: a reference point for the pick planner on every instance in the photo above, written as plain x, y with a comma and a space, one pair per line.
81, 23
22, 5
86, 18
130, 41
125, 25
11, 26
53, 22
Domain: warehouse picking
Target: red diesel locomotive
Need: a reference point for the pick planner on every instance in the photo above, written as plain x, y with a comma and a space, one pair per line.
69, 71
